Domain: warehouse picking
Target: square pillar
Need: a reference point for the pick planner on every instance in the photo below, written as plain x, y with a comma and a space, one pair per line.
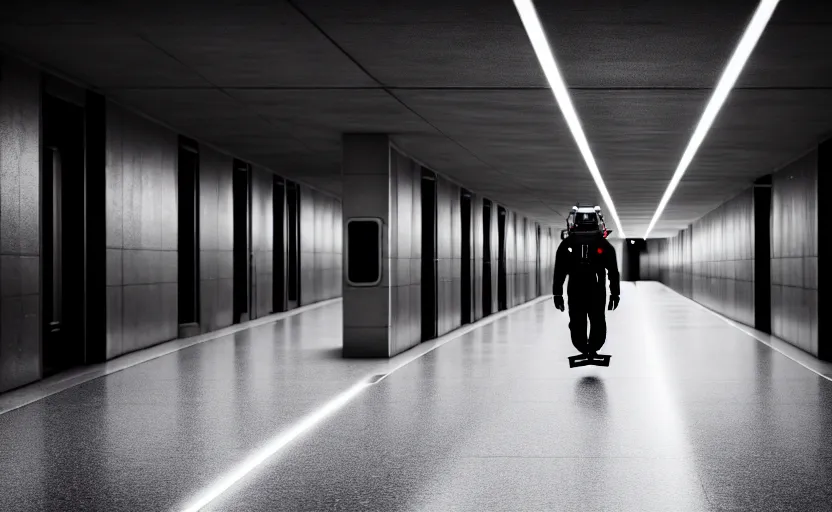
365, 173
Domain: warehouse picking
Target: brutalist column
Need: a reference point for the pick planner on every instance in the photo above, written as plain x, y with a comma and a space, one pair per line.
366, 208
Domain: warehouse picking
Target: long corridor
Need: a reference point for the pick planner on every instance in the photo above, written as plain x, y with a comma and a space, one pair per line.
692, 414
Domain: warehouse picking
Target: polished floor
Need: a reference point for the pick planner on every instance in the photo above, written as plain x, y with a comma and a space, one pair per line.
692, 415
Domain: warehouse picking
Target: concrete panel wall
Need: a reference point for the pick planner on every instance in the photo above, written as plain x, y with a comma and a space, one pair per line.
405, 253
262, 242
20, 355
477, 245
549, 238
495, 254
712, 261
142, 307
723, 259
320, 243
532, 270
794, 253
520, 267
511, 258
449, 254
216, 240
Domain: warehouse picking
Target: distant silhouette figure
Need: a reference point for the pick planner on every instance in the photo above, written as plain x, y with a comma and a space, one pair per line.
586, 256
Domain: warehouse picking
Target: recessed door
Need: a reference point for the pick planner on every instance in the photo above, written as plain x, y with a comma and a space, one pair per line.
293, 244
241, 184
63, 253
188, 237
429, 260
487, 294
502, 298
467, 281
279, 204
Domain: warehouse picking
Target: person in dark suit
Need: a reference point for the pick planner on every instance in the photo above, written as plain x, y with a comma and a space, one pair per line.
586, 256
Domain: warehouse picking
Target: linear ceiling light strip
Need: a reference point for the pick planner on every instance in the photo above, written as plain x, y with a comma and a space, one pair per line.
528, 15
729, 77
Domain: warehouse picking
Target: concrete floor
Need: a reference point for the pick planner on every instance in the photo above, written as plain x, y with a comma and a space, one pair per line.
693, 414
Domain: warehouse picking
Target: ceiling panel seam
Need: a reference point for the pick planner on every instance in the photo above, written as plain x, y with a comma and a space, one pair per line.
131, 108
459, 88
388, 90
222, 90
138, 33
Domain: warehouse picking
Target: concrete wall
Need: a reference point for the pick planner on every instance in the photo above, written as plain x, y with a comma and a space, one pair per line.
142, 307
320, 243
712, 261
262, 242
794, 253
20, 355
549, 240
477, 241
216, 240
141, 241
405, 252
495, 254
449, 254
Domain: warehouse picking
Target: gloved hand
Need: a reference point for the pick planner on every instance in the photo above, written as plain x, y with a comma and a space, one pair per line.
613, 303
559, 302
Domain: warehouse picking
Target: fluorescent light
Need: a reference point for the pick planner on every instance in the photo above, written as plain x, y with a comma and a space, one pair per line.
729, 77
273, 446
526, 10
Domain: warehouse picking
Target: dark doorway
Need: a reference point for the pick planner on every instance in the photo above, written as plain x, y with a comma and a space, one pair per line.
631, 260
429, 314
487, 300
242, 240
279, 204
293, 244
63, 266
467, 292
762, 254
502, 302
188, 257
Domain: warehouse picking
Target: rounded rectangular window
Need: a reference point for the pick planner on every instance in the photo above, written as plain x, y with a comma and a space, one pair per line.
364, 251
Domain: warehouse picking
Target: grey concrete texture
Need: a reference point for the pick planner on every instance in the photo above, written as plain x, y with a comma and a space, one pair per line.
712, 261
405, 253
692, 414
795, 224
497, 421
320, 243
216, 240
20, 357
458, 84
142, 231
262, 242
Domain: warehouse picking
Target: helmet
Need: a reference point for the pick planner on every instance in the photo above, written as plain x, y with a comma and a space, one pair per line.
586, 219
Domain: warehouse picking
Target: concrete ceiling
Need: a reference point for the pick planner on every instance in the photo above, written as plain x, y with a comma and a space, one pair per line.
457, 85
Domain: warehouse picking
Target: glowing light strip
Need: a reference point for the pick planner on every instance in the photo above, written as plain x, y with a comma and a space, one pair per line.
729, 77
528, 15
273, 446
